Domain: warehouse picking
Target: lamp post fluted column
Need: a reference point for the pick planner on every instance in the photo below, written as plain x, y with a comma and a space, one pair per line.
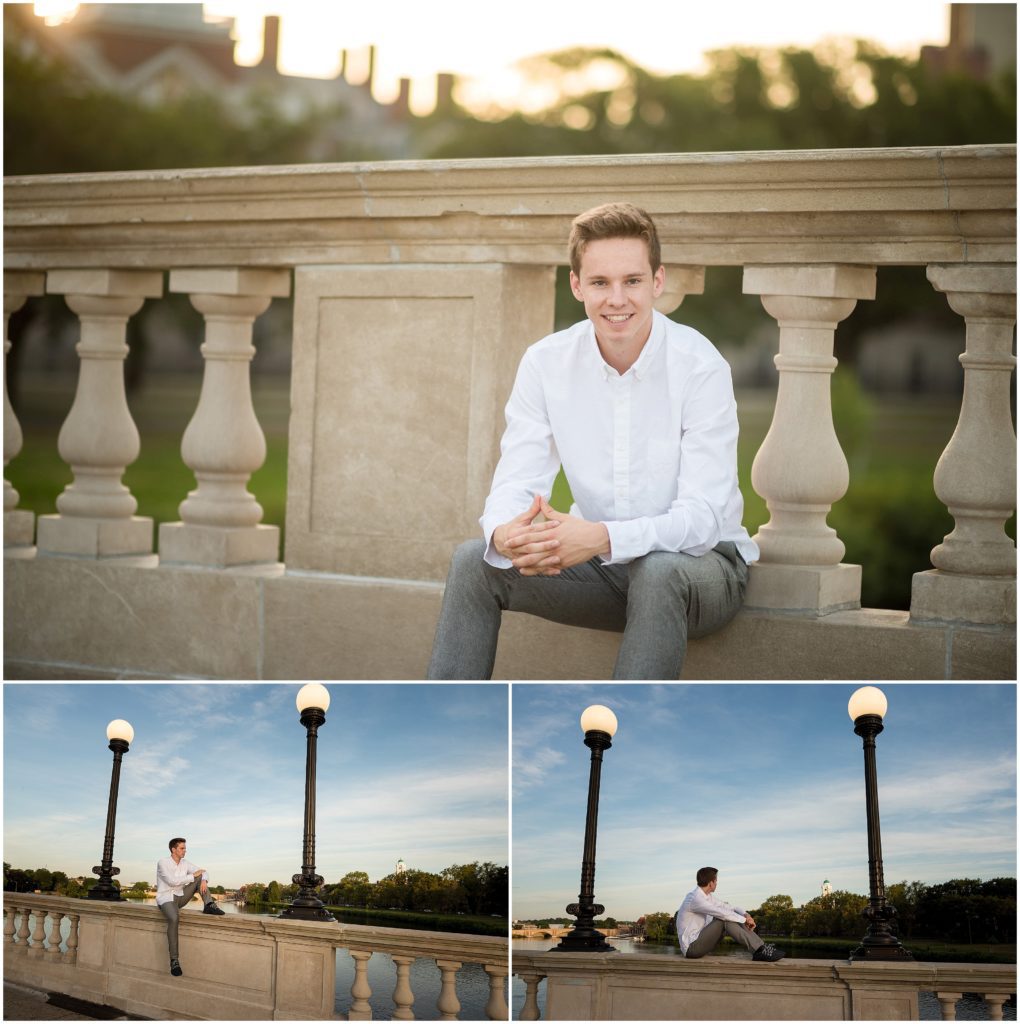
599, 725
867, 708
120, 734
312, 703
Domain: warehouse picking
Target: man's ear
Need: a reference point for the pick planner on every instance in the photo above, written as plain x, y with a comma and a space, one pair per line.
659, 282
575, 286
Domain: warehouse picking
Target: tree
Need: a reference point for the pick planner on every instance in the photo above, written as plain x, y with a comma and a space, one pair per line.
658, 926
776, 916
836, 915
354, 889
273, 894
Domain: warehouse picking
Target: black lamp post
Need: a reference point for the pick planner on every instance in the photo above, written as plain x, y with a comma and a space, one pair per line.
312, 703
599, 726
867, 708
120, 734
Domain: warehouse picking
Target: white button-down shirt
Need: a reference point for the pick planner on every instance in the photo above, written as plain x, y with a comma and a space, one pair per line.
699, 909
652, 452
172, 877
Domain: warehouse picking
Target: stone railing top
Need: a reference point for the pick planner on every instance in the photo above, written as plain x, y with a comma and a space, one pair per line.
987, 977
867, 206
486, 949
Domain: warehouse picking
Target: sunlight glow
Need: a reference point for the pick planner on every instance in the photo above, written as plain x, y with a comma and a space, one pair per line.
55, 12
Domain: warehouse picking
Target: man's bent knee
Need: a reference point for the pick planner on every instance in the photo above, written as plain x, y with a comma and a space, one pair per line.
467, 557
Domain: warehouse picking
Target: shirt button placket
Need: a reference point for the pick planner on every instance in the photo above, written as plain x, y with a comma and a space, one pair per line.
621, 447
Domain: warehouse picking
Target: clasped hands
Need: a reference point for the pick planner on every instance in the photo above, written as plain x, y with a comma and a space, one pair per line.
547, 548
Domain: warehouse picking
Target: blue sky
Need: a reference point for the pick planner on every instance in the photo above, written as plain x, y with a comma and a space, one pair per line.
414, 771
764, 782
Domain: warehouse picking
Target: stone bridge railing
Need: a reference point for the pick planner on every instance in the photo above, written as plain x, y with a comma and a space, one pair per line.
416, 288
237, 967
585, 986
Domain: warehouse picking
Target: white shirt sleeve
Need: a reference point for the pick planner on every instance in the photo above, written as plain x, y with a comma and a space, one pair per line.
191, 872
708, 460
707, 904
528, 461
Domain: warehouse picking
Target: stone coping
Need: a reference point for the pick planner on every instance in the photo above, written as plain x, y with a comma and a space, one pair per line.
487, 949
865, 206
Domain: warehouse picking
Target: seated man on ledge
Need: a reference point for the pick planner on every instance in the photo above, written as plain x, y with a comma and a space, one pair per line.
639, 411
177, 881
702, 920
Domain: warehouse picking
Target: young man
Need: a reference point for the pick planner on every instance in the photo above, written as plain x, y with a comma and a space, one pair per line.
702, 919
640, 412
177, 881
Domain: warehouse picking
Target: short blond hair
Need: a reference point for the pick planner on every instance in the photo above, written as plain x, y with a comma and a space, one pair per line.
613, 220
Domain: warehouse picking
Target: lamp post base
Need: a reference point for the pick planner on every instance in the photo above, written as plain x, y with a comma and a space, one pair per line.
584, 937
104, 889
584, 942
307, 913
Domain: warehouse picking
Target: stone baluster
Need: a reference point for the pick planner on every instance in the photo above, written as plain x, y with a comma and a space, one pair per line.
530, 1009
948, 1001
71, 955
9, 926
496, 1008
53, 953
22, 940
99, 439
224, 444
974, 578
448, 1004
994, 1003
680, 282
403, 997
19, 523
38, 936
800, 469
360, 1009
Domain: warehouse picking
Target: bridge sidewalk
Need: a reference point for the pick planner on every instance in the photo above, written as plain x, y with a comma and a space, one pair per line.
23, 1003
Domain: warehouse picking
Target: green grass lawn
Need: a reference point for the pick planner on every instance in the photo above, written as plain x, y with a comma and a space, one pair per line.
889, 519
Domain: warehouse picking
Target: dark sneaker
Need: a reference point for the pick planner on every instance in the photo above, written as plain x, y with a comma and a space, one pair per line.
769, 953
211, 908
175, 968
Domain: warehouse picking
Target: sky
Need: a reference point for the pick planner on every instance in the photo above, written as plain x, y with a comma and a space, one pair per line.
414, 771
763, 782
481, 43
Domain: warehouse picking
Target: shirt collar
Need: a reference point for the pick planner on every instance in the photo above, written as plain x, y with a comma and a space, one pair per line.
642, 364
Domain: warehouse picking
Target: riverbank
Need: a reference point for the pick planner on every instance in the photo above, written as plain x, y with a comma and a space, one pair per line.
924, 950
466, 924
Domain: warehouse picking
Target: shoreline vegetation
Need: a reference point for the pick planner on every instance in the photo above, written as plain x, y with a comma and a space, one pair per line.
925, 950
471, 924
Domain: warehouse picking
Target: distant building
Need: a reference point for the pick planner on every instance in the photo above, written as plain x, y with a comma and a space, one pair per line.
401, 867
982, 41
826, 888
165, 51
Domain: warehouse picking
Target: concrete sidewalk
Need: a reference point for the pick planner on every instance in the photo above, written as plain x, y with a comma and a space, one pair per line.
22, 1003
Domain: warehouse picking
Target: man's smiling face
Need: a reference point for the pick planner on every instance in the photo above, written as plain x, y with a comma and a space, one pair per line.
618, 286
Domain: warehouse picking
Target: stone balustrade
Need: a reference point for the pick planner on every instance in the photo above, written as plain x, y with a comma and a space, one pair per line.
416, 287
584, 986
237, 967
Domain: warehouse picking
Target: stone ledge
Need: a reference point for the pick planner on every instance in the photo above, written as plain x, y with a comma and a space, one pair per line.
653, 987
132, 618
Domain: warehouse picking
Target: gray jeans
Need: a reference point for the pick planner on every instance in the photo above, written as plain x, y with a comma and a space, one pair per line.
656, 601
171, 910
713, 932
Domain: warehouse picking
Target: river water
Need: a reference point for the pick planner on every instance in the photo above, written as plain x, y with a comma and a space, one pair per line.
971, 1007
